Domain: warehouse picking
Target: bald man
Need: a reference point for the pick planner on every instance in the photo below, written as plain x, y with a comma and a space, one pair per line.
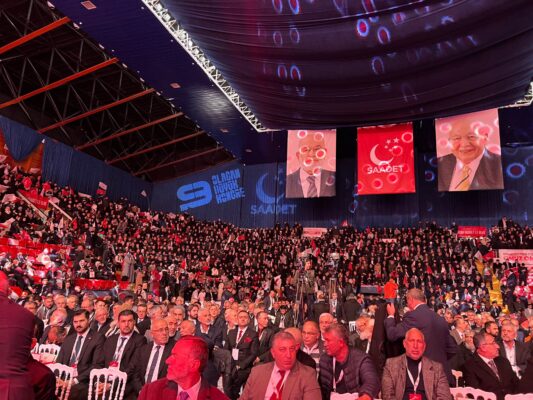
311, 179
16, 332
469, 166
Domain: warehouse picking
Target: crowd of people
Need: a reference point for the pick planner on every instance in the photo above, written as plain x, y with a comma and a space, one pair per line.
385, 312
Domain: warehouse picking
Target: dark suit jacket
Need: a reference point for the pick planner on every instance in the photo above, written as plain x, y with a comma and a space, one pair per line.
126, 364
488, 174
103, 329
337, 312
440, 346
522, 352
265, 343
90, 354
288, 321
16, 333
143, 326
294, 186
43, 381
142, 357
319, 308
163, 389
351, 310
478, 375
248, 347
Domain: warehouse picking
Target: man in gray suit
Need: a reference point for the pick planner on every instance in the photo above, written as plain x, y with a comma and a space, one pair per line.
311, 179
413, 374
285, 377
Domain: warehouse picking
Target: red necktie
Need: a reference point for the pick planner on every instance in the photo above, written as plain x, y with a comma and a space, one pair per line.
279, 387
239, 336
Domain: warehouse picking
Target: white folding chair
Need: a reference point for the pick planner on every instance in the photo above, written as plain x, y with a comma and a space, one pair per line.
457, 375
116, 380
519, 396
464, 393
50, 352
65, 374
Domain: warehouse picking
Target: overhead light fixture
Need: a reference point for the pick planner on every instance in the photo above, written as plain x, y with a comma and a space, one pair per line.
184, 39
89, 5
175, 85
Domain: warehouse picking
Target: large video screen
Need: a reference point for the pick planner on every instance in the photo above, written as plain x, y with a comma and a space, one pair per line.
311, 163
469, 152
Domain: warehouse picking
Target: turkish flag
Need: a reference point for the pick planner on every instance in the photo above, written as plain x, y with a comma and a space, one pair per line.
385, 159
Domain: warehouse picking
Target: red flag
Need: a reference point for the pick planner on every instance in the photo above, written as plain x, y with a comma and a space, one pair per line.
385, 159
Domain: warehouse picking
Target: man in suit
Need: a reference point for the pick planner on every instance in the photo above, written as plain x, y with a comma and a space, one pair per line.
265, 335
118, 352
516, 352
412, 373
459, 332
351, 308
335, 307
440, 345
184, 377
16, 333
470, 166
284, 318
285, 377
487, 371
213, 338
47, 307
150, 359
143, 321
244, 346
101, 321
311, 179
320, 307
82, 350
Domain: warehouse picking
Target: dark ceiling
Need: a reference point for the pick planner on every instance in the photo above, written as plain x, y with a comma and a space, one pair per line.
488, 64
109, 113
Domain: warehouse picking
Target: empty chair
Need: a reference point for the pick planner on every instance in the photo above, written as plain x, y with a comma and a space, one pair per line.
48, 353
464, 393
64, 374
114, 381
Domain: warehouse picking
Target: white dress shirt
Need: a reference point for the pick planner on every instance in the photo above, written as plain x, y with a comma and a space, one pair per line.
158, 362
273, 382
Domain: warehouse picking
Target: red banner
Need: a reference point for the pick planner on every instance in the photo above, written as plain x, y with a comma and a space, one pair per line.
39, 201
471, 231
385, 159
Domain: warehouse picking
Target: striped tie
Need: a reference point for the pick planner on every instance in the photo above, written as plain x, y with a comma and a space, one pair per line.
312, 192
464, 183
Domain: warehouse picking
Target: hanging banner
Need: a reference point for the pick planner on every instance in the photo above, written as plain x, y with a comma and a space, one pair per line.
522, 256
311, 163
314, 232
37, 200
469, 152
31, 164
471, 231
385, 159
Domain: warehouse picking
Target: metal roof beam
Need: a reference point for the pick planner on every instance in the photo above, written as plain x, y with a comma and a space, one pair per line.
96, 110
128, 131
60, 82
157, 147
34, 34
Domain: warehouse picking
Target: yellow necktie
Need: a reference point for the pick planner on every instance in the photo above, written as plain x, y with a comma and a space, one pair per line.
464, 183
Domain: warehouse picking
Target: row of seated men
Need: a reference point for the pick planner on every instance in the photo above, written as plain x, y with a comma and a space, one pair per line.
248, 344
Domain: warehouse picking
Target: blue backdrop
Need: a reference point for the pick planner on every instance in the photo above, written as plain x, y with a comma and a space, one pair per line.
261, 201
